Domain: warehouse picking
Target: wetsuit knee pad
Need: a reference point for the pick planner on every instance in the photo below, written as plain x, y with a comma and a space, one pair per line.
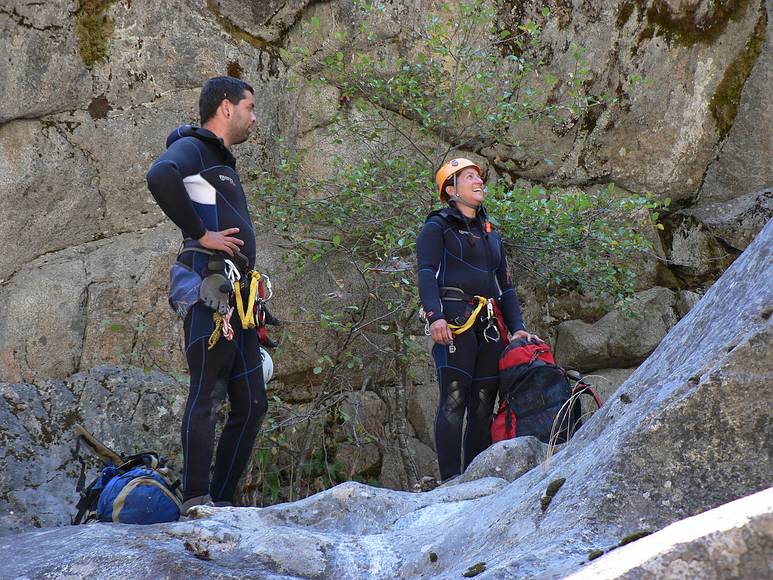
484, 406
453, 398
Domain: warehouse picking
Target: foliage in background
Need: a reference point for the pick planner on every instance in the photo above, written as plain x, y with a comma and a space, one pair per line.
460, 84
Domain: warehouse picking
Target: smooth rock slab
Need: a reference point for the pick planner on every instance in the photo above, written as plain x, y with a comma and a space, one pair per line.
731, 541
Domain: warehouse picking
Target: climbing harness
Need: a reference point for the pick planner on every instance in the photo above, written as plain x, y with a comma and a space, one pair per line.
253, 313
257, 286
460, 328
494, 329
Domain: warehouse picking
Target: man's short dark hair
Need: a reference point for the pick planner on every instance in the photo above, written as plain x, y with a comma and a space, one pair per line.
215, 90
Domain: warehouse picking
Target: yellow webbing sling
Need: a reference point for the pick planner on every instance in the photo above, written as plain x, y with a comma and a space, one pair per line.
460, 328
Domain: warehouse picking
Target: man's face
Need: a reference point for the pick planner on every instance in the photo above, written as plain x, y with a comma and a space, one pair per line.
242, 118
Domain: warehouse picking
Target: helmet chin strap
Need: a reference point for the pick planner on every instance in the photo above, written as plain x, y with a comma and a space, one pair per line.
458, 198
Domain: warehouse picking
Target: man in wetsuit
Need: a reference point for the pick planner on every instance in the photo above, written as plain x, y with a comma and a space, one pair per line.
196, 185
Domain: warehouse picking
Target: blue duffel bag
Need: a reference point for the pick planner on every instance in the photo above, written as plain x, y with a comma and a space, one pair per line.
139, 491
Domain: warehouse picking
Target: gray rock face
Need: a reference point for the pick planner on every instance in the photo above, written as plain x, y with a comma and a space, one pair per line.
266, 20
736, 222
738, 169
615, 340
695, 253
607, 381
731, 541
127, 409
657, 137
76, 140
640, 464
508, 459
40, 59
105, 301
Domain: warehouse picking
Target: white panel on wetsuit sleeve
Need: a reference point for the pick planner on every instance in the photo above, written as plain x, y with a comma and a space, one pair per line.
200, 190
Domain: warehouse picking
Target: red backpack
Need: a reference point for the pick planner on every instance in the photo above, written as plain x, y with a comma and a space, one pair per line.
536, 396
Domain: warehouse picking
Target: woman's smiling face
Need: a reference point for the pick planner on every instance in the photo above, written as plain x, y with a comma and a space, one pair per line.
469, 186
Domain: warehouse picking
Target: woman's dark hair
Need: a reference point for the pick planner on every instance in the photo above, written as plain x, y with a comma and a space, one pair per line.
448, 183
215, 90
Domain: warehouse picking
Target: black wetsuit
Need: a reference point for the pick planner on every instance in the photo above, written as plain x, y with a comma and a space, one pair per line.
195, 183
454, 251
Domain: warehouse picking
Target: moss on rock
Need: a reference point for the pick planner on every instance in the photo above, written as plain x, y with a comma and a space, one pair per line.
551, 491
688, 27
234, 31
93, 28
724, 103
633, 537
475, 569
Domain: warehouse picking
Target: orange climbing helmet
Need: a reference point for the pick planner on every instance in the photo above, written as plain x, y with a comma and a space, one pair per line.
452, 168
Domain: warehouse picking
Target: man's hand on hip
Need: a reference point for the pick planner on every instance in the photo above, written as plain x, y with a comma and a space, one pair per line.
222, 241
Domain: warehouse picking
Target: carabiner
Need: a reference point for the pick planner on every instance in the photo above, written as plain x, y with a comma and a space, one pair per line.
494, 330
269, 289
231, 271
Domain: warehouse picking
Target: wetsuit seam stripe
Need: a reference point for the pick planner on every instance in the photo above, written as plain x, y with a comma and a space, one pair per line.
225, 200
447, 366
190, 414
244, 427
248, 372
217, 167
461, 247
196, 147
202, 337
467, 263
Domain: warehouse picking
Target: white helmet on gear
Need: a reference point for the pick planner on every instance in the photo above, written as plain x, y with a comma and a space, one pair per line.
268, 365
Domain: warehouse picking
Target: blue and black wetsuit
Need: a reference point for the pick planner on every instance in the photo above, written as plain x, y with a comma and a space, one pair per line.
456, 252
195, 183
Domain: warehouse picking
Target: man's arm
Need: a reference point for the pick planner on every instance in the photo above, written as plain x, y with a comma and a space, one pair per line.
165, 182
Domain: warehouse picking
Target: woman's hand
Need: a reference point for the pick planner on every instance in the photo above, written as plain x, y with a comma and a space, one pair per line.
440, 332
523, 335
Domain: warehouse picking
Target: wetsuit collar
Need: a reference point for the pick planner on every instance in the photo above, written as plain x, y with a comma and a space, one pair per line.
452, 213
203, 135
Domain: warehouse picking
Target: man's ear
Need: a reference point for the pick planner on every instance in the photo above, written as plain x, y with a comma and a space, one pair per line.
225, 107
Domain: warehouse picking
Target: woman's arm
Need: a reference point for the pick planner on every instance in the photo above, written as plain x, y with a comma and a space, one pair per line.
429, 253
508, 300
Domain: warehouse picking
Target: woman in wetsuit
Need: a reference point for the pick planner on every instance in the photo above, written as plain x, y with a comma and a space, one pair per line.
469, 301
